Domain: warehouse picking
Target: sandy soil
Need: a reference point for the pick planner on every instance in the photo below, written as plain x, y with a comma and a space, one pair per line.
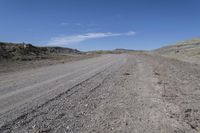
140, 93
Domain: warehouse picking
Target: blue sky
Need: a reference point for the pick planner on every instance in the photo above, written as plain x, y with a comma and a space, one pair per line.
99, 24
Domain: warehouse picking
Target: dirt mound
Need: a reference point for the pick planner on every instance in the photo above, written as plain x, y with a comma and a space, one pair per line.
12, 51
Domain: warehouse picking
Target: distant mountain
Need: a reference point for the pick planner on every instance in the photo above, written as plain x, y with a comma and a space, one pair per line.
124, 50
14, 51
115, 51
188, 50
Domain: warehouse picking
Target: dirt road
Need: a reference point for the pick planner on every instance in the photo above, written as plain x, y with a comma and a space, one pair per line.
139, 93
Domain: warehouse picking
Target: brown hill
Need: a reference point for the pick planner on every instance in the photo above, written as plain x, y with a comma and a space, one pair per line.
13, 51
187, 51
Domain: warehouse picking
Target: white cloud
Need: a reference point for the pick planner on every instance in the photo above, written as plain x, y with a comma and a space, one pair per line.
66, 40
130, 33
64, 23
70, 24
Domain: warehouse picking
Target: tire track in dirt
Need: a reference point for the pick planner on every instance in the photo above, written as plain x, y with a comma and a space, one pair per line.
140, 93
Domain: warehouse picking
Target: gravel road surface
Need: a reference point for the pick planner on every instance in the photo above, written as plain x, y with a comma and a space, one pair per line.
133, 93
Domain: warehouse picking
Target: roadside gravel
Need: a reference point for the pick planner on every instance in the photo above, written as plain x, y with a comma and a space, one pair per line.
139, 93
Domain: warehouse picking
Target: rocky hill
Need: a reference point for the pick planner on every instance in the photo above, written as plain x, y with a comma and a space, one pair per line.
13, 51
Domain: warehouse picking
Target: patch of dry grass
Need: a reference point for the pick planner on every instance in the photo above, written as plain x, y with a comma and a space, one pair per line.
188, 51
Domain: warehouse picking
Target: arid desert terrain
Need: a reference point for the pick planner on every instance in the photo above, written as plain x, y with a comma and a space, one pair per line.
112, 91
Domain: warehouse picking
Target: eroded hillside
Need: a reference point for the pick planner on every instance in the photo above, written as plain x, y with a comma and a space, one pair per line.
186, 51
23, 52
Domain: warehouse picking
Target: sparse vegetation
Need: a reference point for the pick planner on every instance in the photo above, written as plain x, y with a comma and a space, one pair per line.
27, 52
188, 50
116, 51
17, 57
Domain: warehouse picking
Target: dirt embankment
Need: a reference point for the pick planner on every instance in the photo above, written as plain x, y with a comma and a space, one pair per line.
188, 51
16, 57
25, 52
